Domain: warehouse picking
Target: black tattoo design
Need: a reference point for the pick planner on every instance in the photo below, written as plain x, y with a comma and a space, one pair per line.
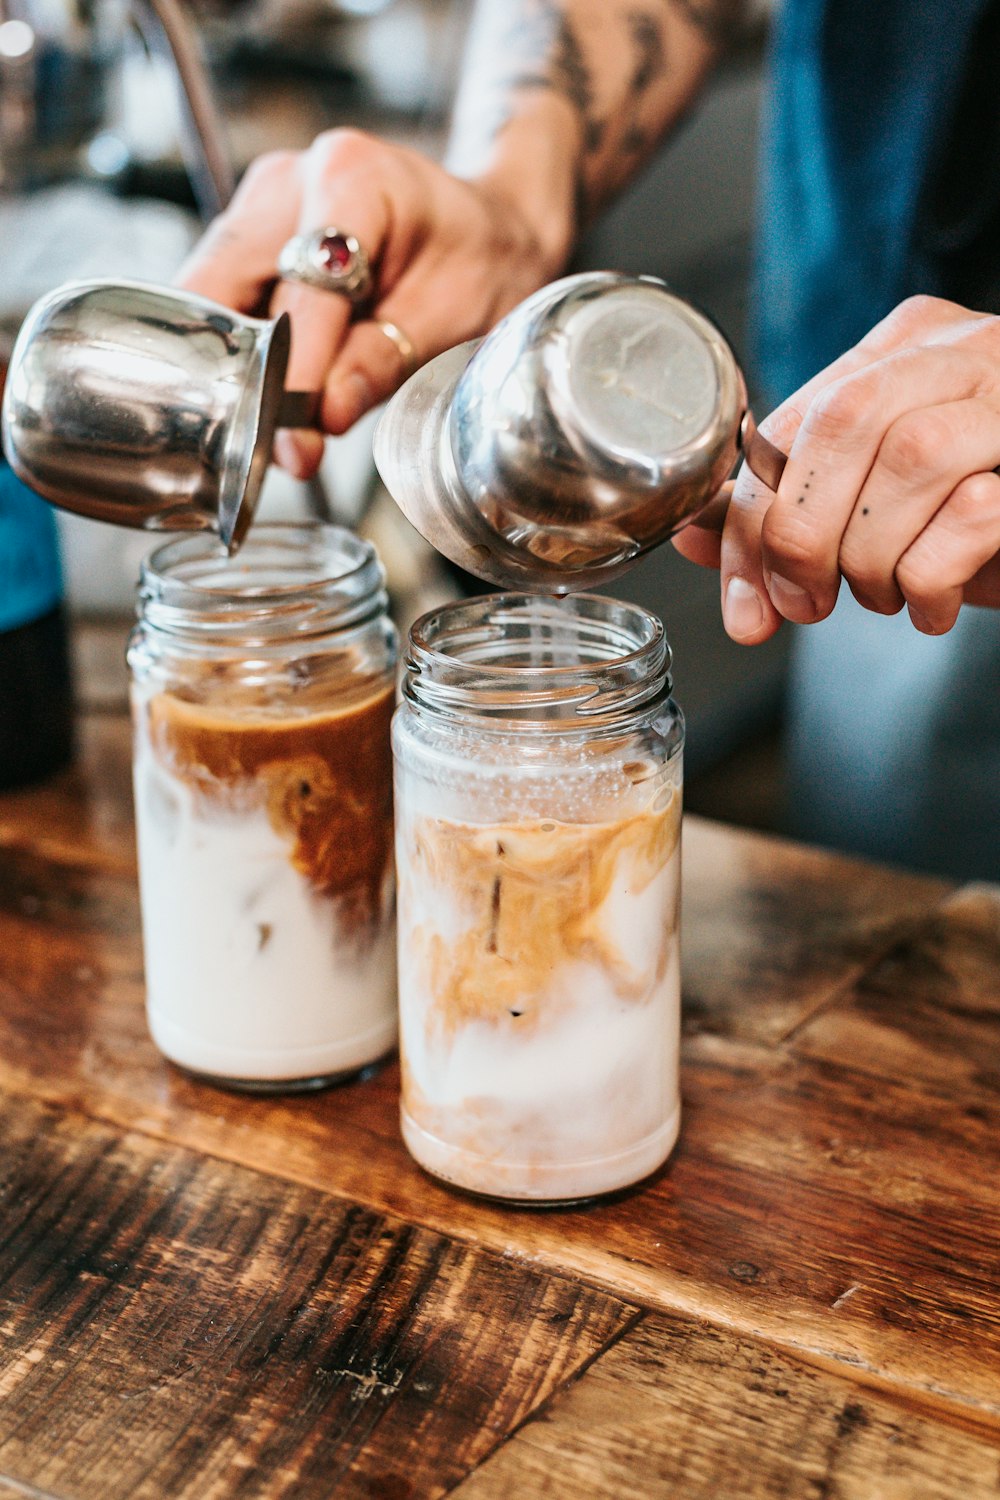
554, 60
648, 66
635, 141
647, 39
718, 20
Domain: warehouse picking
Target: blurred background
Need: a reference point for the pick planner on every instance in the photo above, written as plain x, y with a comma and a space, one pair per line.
98, 177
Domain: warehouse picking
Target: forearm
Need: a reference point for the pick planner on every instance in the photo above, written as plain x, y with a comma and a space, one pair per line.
561, 101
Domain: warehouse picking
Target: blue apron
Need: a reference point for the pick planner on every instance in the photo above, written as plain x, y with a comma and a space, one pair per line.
893, 737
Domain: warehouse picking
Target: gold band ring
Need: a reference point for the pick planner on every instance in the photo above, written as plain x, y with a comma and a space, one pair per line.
404, 344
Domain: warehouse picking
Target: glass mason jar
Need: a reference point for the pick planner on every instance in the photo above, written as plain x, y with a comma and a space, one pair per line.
262, 692
538, 760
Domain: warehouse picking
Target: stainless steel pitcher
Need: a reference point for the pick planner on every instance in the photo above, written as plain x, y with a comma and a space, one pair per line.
147, 406
600, 416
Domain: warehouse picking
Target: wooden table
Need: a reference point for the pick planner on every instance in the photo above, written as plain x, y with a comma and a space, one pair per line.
207, 1295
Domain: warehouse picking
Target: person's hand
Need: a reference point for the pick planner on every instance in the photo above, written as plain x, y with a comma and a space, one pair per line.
449, 257
890, 483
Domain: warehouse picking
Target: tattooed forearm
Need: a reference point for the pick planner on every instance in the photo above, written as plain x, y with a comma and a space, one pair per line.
635, 142
554, 59
562, 100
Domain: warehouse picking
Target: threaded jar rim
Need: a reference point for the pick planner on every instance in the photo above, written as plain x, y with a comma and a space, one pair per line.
288, 580
582, 659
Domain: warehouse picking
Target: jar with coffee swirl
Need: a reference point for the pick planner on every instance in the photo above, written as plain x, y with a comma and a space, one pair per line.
262, 693
538, 775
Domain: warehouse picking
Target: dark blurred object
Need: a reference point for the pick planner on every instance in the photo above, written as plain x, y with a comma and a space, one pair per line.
958, 226
58, 59
36, 701
56, 63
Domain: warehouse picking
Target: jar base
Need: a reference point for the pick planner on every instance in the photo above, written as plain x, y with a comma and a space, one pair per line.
271, 1086
532, 1185
285, 1070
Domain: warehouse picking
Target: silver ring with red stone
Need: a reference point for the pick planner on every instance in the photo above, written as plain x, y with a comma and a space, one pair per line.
329, 259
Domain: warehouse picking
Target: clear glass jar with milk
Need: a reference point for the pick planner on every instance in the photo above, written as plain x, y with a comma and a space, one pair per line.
538, 760
262, 689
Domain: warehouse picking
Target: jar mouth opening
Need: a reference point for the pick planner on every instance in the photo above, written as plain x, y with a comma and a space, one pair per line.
287, 578
200, 565
528, 658
473, 633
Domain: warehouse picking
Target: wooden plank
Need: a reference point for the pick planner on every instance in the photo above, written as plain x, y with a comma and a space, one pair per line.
774, 930
11, 1490
805, 1201
84, 814
794, 1182
678, 1409
173, 1325
798, 1203
930, 1010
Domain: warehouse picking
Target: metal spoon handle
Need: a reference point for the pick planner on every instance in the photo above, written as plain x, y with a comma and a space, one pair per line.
299, 409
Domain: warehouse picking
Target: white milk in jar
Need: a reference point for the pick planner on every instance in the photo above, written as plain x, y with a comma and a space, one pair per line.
263, 688
538, 802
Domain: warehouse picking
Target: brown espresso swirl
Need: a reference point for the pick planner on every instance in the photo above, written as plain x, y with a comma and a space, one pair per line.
324, 778
531, 896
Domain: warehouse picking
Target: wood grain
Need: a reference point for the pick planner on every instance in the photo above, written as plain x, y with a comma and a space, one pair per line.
174, 1325
831, 1211
11, 1490
680, 1409
929, 1011
834, 1191
773, 931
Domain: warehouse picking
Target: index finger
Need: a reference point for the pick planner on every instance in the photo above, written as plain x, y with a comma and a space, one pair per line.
235, 261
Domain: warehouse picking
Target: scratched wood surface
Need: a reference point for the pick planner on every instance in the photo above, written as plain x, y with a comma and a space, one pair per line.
172, 1325
797, 1179
833, 1199
679, 1408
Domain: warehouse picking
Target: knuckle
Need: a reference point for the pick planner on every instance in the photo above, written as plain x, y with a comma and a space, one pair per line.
781, 425
918, 575
790, 541
345, 149
884, 601
976, 500
838, 411
268, 171
915, 445
871, 578
862, 573
909, 318
915, 311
